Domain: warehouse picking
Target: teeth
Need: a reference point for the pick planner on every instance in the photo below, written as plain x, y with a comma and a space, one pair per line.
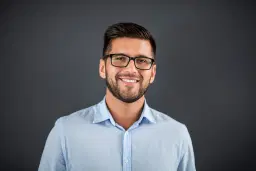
129, 81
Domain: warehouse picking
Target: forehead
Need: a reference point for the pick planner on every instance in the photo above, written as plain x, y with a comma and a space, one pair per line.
131, 47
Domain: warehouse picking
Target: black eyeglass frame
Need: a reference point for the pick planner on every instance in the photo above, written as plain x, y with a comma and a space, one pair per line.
130, 58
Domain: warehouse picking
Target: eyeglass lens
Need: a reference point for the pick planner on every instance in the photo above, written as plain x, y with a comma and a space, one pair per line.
122, 61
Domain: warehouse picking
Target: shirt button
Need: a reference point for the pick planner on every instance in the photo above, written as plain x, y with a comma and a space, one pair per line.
126, 161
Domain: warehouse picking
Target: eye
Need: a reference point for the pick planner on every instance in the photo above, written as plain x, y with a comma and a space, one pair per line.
119, 58
143, 61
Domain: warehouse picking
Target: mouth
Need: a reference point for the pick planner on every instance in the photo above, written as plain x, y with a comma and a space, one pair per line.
129, 81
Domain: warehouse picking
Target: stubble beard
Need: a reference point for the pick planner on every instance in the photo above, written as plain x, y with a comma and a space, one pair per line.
128, 96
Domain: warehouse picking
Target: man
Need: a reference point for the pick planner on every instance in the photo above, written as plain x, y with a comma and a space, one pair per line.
121, 132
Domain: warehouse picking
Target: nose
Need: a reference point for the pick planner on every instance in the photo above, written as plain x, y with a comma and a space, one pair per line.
131, 66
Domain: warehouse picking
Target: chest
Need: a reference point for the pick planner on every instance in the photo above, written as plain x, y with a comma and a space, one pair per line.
111, 149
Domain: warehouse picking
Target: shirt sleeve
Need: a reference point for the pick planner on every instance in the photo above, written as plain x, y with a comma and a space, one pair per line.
52, 158
187, 162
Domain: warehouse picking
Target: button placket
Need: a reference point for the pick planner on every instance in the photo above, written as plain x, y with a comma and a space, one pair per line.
127, 152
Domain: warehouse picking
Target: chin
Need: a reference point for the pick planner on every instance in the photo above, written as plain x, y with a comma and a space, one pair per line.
129, 100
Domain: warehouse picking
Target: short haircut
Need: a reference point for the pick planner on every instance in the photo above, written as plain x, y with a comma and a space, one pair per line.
130, 30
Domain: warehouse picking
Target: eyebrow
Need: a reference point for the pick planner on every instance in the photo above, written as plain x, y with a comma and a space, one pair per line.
134, 56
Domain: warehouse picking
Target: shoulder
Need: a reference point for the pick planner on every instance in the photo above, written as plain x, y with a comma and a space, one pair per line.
82, 116
162, 117
169, 123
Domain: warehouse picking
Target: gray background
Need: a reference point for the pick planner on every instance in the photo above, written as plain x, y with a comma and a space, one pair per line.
49, 68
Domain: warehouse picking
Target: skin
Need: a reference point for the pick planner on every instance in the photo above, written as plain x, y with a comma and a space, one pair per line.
126, 108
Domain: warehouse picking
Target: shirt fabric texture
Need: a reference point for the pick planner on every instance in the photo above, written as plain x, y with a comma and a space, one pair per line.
90, 140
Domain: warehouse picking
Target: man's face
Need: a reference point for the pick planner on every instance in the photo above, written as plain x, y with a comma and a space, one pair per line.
120, 81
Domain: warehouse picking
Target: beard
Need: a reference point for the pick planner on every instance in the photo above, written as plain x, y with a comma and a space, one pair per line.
127, 96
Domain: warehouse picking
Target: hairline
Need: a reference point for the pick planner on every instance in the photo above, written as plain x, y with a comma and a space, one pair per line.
109, 47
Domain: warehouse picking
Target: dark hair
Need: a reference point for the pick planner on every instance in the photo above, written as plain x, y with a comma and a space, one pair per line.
130, 30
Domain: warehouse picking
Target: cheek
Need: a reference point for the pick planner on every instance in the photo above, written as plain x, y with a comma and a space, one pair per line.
111, 73
146, 76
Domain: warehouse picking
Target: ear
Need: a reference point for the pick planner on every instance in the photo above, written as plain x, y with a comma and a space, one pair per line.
102, 70
153, 74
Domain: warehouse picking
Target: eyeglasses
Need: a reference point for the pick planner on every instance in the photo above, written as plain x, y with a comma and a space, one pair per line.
122, 60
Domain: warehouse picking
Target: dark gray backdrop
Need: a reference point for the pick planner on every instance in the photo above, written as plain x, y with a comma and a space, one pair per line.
49, 68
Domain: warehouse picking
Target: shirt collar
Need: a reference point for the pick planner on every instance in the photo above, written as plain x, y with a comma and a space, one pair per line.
102, 113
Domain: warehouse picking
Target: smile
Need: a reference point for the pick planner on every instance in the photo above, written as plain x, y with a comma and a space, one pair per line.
129, 80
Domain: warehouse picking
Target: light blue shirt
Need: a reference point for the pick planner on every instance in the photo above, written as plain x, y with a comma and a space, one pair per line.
90, 140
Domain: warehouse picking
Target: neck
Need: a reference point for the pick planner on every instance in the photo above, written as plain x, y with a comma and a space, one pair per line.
125, 114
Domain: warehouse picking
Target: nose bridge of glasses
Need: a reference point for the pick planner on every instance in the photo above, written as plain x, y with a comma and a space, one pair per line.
131, 59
